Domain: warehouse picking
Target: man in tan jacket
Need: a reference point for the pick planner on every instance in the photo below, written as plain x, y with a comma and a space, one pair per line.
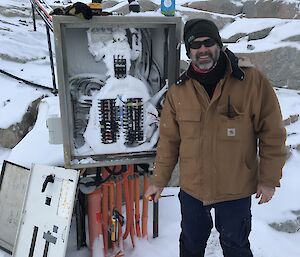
222, 122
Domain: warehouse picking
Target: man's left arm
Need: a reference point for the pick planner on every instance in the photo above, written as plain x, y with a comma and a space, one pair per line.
272, 135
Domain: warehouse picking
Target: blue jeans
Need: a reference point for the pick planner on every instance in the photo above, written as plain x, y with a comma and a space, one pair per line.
233, 222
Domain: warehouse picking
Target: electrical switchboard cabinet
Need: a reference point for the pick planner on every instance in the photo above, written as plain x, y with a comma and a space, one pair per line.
113, 73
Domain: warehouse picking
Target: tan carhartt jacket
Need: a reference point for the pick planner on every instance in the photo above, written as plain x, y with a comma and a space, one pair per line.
226, 145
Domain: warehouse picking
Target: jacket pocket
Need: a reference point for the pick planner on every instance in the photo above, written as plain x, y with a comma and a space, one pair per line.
189, 123
230, 128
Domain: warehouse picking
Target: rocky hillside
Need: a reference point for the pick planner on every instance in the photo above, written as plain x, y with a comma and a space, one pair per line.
281, 63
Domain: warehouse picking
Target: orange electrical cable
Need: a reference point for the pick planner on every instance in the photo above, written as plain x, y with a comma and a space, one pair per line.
94, 217
127, 205
111, 207
128, 190
119, 209
137, 205
131, 191
105, 217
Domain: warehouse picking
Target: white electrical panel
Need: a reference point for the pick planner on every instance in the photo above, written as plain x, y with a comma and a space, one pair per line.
47, 211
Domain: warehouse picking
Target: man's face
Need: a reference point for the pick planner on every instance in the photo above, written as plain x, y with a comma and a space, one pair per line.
204, 55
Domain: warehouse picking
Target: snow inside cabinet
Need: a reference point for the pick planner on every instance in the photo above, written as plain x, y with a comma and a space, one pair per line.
47, 211
113, 73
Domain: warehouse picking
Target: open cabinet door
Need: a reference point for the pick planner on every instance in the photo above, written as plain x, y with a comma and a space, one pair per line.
47, 212
13, 184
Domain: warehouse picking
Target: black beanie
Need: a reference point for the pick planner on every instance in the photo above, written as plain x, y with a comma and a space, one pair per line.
195, 28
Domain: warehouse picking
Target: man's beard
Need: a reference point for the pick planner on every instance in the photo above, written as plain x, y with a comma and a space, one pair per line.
209, 63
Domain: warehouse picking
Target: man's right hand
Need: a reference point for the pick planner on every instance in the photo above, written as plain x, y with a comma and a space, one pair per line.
153, 192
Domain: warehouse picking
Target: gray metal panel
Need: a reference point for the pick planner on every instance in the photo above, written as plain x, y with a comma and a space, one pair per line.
13, 183
72, 59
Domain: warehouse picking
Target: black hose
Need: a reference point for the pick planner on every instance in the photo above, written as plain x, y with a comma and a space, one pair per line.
27, 82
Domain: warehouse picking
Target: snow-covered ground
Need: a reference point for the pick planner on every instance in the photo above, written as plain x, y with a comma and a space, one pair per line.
24, 53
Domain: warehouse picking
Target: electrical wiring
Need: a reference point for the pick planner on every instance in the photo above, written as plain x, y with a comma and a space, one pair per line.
82, 89
27, 82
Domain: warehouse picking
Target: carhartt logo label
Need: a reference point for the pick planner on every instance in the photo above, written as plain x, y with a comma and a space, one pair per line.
231, 132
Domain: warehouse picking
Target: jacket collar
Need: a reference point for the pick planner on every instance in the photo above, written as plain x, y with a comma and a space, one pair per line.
233, 62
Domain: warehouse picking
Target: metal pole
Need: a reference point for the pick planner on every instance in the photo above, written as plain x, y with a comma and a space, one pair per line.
80, 220
51, 60
155, 219
33, 17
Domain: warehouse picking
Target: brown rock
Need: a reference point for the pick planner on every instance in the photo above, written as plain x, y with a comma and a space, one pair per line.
216, 6
294, 118
293, 38
260, 34
108, 4
11, 136
288, 152
287, 121
281, 66
271, 9
234, 38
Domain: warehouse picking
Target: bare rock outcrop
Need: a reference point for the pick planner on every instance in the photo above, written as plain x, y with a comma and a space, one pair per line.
293, 38
251, 36
217, 6
289, 226
109, 4
281, 66
12, 135
251, 8
271, 9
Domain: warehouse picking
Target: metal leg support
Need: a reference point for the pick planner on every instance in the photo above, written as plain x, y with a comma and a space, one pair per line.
155, 219
80, 220
33, 17
51, 60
